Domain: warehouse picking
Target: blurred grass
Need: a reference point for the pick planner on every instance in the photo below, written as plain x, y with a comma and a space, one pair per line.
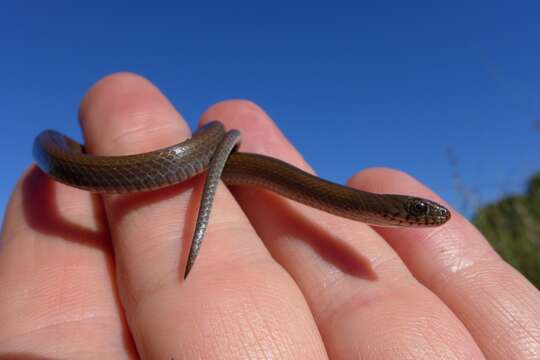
512, 226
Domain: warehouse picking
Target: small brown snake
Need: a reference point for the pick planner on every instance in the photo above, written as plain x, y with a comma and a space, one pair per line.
212, 148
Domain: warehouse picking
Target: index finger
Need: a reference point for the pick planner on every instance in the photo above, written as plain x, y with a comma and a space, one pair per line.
224, 309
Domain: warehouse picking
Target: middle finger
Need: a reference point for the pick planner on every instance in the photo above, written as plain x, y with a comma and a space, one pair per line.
365, 301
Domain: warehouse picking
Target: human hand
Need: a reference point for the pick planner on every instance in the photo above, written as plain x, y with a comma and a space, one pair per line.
88, 276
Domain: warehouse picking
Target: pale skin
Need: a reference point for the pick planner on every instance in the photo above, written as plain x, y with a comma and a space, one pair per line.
87, 276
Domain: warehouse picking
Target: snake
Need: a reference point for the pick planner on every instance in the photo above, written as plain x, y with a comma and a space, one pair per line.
215, 150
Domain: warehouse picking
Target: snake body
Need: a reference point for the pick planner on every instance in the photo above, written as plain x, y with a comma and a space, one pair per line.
212, 148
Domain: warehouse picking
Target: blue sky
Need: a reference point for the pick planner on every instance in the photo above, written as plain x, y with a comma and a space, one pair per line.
399, 84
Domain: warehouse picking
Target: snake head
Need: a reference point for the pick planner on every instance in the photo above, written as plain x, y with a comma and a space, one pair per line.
425, 212
403, 210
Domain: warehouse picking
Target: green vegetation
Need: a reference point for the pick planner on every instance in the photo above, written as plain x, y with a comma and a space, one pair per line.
512, 225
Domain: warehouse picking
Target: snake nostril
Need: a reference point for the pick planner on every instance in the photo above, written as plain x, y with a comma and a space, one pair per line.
445, 213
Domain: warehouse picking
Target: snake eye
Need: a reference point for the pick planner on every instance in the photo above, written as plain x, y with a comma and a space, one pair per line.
418, 207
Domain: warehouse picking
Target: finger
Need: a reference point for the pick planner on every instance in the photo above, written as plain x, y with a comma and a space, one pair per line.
225, 308
364, 300
496, 303
56, 297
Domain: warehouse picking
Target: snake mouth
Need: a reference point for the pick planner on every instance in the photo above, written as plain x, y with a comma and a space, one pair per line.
425, 222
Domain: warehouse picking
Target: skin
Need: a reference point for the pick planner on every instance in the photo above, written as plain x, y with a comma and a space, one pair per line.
87, 276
